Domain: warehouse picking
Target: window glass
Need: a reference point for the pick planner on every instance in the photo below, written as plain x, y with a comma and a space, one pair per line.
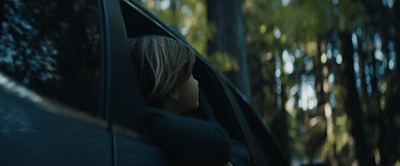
53, 48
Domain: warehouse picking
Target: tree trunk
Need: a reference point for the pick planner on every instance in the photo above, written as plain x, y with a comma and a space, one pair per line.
388, 131
352, 105
391, 138
228, 18
174, 22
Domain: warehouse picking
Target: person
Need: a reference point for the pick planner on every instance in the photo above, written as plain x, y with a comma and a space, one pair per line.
164, 69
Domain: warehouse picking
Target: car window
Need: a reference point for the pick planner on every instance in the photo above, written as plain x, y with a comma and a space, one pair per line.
53, 48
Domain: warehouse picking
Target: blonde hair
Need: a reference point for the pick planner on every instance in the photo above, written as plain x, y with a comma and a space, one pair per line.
162, 64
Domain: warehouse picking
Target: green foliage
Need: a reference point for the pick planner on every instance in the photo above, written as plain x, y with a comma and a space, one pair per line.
299, 22
306, 25
223, 61
303, 27
187, 17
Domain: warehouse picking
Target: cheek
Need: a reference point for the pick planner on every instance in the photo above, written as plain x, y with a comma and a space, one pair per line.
195, 94
196, 90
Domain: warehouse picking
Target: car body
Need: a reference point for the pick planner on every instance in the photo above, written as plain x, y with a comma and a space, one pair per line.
69, 94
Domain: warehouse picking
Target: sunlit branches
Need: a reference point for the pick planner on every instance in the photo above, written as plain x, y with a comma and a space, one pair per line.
333, 50
304, 89
308, 97
367, 65
392, 56
331, 53
288, 62
376, 64
187, 17
313, 59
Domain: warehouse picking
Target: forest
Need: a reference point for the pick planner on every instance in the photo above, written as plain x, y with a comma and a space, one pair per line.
323, 74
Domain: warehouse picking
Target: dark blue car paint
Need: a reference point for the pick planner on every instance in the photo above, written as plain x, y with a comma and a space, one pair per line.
31, 136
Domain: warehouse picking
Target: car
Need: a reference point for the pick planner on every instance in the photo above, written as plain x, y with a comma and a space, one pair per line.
69, 94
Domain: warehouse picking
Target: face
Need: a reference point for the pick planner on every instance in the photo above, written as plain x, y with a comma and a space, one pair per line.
187, 96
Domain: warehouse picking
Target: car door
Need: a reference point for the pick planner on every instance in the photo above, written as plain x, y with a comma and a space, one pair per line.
52, 84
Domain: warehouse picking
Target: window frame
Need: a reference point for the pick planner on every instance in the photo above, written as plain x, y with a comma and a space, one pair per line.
123, 103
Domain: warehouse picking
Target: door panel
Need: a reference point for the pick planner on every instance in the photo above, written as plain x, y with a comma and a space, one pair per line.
32, 136
137, 152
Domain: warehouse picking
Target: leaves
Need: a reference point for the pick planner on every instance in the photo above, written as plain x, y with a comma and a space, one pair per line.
310, 31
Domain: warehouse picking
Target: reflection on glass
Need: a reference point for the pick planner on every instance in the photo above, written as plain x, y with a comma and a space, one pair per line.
53, 48
8, 84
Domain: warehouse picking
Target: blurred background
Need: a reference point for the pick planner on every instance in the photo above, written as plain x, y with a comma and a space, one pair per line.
322, 73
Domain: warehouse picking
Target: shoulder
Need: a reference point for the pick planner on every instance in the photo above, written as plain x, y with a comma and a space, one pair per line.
188, 137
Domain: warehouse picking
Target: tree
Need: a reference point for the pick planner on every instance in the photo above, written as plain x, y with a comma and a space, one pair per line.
327, 68
229, 41
385, 23
307, 29
353, 106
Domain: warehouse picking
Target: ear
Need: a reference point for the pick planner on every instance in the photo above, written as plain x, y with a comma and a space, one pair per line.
174, 94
